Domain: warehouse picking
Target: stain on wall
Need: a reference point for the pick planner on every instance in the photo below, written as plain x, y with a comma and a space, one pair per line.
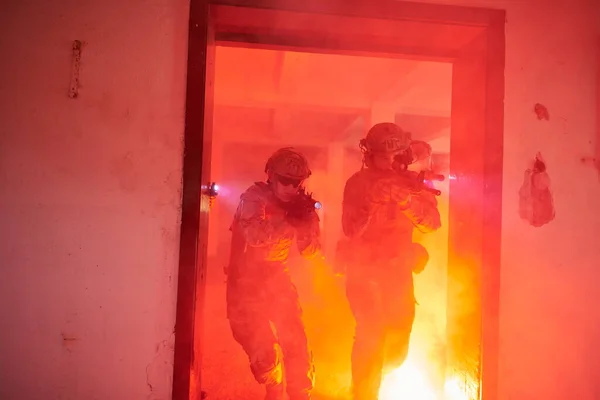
536, 202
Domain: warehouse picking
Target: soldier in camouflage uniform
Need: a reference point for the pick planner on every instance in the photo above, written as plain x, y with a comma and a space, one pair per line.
262, 302
380, 210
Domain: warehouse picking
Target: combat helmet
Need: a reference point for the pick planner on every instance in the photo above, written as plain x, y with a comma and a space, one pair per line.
289, 163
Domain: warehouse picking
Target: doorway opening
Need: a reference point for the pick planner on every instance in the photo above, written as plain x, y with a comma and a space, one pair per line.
396, 36
322, 104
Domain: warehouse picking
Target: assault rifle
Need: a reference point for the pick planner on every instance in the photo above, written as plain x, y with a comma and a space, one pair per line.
301, 206
422, 181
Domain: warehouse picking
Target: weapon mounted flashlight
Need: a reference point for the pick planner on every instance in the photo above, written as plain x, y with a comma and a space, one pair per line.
211, 190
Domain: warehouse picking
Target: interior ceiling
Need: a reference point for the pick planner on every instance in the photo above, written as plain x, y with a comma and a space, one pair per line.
306, 97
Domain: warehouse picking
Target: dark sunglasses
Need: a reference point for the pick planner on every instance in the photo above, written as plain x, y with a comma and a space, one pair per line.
288, 181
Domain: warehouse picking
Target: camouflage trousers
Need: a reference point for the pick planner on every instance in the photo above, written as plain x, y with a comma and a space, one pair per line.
384, 311
266, 320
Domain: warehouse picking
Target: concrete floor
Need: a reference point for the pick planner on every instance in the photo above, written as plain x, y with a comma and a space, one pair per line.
226, 373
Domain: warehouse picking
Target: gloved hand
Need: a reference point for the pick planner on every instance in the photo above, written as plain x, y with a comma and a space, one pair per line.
303, 224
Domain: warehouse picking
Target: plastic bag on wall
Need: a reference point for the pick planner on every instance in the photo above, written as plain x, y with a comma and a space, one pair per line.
536, 204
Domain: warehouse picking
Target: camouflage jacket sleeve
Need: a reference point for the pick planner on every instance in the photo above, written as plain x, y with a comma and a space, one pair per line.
258, 228
356, 207
420, 208
423, 212
308, 237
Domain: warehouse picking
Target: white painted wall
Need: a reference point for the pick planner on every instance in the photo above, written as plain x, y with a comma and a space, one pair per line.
549, 324
89, 198
90, 190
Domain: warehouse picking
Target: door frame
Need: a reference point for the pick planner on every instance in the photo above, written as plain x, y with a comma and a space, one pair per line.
597, 149
471, 38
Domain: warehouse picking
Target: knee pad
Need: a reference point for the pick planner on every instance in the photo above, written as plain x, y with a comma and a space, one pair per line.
266, 365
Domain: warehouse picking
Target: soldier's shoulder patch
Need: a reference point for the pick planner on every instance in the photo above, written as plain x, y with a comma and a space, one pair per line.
259, 190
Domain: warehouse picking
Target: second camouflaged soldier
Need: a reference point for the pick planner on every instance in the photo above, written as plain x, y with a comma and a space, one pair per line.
380, 210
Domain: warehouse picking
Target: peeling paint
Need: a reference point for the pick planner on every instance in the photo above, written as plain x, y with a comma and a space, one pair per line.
536, 202
541, 112
160, 366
